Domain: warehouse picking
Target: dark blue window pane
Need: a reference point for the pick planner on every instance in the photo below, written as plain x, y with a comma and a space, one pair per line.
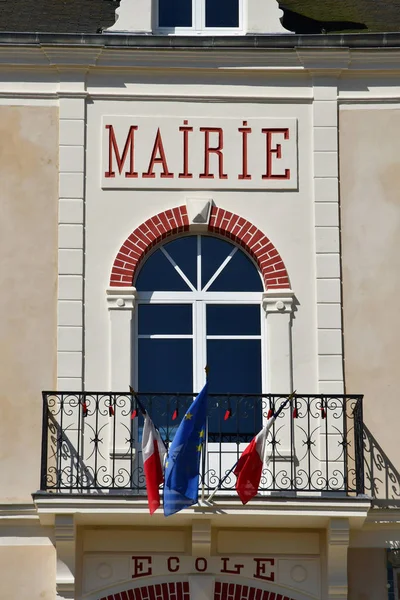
184, 252
222, 13
165, 365
235, 367
157, 274
213, 254
239, 275
165, 318
233, 319
175, 13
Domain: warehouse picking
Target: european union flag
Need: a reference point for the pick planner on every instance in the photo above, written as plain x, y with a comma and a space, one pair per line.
182, 468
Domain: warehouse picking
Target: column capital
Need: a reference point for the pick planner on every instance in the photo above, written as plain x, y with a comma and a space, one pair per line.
279, 301
121, 298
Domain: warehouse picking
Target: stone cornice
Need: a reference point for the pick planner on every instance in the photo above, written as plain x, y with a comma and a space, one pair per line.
266, 512
274, 53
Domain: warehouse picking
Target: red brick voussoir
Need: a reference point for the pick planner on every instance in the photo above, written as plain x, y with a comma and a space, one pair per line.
222, 222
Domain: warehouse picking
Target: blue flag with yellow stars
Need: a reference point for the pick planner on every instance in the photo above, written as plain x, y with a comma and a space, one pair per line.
182, 468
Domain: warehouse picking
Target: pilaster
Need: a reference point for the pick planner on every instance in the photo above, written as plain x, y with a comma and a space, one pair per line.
121, 304
278, 308
327, 235
72, 112
64, 531
338, 537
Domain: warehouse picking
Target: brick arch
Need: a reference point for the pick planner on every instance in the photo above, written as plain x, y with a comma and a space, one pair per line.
222, 222
159, 591
180, 591
237, 591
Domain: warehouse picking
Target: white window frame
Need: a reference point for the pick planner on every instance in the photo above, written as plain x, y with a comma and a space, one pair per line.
199, 302
199, 22
277, 376
199, 299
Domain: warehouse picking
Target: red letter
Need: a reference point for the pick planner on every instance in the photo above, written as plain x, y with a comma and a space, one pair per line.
217, 151
277, 150
186, 130
261, 569
245, 132
170, 568
129, 146
235, 571
158, 149
139, 565
197, 565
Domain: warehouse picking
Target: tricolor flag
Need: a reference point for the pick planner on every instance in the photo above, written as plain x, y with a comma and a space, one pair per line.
153, 453
250, 465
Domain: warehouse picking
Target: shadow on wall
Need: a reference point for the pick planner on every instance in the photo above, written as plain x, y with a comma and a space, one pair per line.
382, 480
301, 24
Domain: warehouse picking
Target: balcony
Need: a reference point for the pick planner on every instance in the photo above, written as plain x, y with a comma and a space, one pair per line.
92, 442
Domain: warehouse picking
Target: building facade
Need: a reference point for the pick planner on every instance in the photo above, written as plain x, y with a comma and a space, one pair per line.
184, 191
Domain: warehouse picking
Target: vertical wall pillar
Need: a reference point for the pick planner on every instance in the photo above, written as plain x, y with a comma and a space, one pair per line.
327, 235
278, 308
72, 107
64, 531
338, 536
121, 304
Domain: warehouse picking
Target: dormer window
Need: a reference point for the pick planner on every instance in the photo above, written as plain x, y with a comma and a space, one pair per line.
200, 16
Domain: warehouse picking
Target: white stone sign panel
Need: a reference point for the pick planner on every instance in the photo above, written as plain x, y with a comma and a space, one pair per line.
142, 152
103, 570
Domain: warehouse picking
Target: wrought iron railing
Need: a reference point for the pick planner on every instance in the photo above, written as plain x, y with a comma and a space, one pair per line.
92, 441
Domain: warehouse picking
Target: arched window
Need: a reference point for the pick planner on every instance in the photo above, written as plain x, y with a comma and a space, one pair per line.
199, 302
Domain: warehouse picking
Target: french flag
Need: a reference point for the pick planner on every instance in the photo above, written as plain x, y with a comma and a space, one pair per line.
153, 454
250, 465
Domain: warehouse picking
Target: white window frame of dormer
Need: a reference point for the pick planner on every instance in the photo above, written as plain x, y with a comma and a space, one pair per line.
199, 22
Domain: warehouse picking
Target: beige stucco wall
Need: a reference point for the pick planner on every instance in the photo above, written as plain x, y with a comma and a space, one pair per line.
33, 579
367, 574
370, 220
28, 283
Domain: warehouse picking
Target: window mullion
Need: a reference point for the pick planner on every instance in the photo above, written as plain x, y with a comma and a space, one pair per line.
199, 14
199, 343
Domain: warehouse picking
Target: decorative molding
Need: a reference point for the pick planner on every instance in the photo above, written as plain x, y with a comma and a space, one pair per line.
339, 532
201, 538
264, 18
281, 301
133, 17
199, 212
121, 298
64, 529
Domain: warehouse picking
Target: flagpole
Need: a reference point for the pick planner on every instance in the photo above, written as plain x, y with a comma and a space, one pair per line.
203, 462
204, 449
140, 405
282, 406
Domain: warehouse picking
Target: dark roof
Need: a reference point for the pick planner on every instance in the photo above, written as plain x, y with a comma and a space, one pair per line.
300, 16
57, 16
